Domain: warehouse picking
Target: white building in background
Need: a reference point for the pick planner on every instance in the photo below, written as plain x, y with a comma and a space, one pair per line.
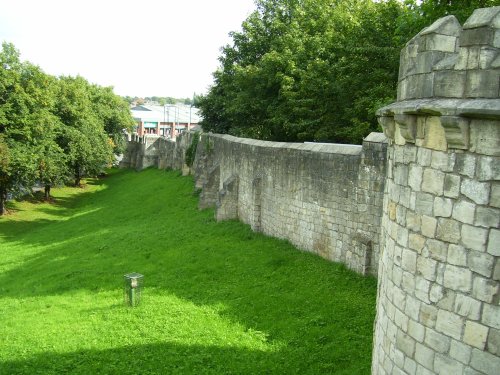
168, 121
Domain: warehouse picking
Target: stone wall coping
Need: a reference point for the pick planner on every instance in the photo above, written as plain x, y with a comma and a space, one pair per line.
477, 108
482, 17
448, 25
330, 148
375, 137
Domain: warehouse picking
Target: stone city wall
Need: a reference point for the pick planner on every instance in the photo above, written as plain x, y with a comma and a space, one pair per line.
323, 198
438, 300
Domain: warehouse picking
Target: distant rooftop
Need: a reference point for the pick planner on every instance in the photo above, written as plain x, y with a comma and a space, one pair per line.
179, 113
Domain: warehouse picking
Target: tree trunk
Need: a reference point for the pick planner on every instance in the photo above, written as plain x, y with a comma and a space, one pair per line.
78, 176
3, 199
47, 192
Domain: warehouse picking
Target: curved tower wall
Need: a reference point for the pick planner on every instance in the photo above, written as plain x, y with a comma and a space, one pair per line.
438, 300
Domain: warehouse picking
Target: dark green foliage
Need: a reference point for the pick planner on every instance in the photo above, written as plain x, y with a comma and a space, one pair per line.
218, 298
315, 70
191, 150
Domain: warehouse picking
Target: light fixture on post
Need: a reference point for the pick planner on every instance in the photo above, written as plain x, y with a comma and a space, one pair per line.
132, 288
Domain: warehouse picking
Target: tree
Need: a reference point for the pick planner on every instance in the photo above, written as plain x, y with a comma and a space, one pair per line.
84, 139
27, 98
114, 113
315, 70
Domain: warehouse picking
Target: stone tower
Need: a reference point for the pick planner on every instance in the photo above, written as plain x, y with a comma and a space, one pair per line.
438, 300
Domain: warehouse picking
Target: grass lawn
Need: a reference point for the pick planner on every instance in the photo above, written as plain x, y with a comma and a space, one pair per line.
217, 298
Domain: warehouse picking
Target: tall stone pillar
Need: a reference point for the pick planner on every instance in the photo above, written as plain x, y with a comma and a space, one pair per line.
438, 299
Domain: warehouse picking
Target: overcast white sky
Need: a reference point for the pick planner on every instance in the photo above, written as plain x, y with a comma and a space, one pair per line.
140, 47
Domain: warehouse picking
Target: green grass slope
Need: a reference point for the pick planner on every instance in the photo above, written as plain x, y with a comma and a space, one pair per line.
217, 298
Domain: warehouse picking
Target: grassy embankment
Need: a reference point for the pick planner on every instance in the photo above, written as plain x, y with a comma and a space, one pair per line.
218, 298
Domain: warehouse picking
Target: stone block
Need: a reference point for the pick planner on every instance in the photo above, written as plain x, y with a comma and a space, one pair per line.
457, 255
428, 315
475, 334
448, 300
409, 260
401, 320
405, 343
466, 164
456, 132
460, 352
424, 203
428, 227
415, 177
482, 84
427, 268
483, 17
443, 161
494, 242
491, 316
485, 362
401, 215
496, 271
488, 168
424, 356
476, 191
451, 186
448, 25
410, 366
495, 195
433, 181
494, 341
416, 242
413, 221
484, 289
408, 283
416, 330
446, 365
474, 238
412, 307
401, 174
467, 307
448, 230
438, 250
424, 156
481, 263
435, 136
422, 287
476, 37
457, 278
437, 341
487, 58
485, 137
450, 324
488, 218
437, 42
436, 293
464, 211
442, 207
427, 60
449, 84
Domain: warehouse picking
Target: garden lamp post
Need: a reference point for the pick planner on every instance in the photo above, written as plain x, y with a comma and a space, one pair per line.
133, 288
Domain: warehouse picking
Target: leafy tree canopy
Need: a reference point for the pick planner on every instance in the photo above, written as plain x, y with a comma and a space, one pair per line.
53, 128
316, 70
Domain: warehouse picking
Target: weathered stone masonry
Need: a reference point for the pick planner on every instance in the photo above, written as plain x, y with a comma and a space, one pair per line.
324, 198
438, 298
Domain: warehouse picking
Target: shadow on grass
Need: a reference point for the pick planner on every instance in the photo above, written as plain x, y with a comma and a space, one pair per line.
151, 225
162, 358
